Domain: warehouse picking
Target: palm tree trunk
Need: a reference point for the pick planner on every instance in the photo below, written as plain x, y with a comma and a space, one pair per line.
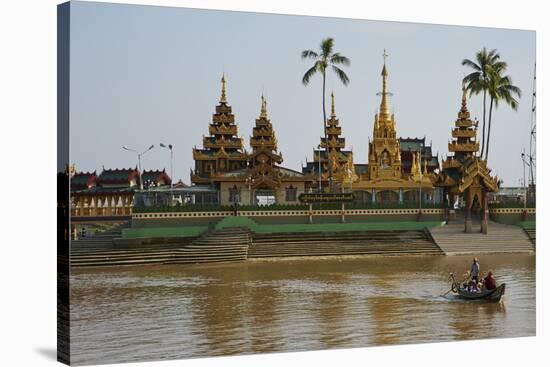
489, 129
325, 126
483, 133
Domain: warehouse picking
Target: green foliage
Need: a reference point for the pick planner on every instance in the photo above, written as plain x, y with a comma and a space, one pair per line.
531, 224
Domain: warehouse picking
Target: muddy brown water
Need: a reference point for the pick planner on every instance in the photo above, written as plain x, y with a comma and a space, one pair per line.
126, 314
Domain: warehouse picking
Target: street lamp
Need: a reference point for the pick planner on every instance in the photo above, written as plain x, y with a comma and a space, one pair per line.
171, 168
250, 181
525, 163
319, 150
139, 161
420, 184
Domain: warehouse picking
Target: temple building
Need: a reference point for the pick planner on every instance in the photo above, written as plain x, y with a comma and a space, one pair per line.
222, 150
336, 164
409, 147
464, 173
386, 178
241, 177
111, 193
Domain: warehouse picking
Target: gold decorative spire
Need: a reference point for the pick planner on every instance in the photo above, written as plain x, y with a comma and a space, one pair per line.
263, 111
223, 98
332, 112
384, 109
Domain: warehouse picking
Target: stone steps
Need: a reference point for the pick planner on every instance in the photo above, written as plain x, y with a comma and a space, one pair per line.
532, 234
346, 243
501, 238
229, 244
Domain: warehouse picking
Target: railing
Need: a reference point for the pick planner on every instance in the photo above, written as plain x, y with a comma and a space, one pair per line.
284, 207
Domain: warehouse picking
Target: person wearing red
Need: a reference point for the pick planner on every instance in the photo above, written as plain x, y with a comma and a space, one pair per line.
490, 282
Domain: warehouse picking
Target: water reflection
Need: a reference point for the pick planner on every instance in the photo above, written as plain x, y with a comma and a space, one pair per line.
166, 312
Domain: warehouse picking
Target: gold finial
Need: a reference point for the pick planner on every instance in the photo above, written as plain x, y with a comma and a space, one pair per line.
263, 111
332, 112
223, 98
384, 109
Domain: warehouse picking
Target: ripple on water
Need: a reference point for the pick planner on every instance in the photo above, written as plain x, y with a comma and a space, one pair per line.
156, 313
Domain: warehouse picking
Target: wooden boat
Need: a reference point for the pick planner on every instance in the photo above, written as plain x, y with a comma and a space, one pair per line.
493, 295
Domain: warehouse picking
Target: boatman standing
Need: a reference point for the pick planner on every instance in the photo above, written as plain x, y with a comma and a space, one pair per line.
474, 271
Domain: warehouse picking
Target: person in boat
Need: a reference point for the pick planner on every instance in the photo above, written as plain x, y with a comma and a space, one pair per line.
474, 271
490, 282
473, 286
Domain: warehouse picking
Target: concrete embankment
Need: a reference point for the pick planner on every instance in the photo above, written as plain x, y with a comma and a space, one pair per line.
238, 244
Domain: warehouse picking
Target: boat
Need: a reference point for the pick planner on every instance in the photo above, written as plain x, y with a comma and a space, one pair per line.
493, 295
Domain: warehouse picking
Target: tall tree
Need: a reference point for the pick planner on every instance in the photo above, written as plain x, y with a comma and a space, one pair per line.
325, 59
478, 81
500, 88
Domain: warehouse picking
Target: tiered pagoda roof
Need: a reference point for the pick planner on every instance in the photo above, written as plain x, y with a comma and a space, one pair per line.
464, 168
223, 149
264, 154
335, 158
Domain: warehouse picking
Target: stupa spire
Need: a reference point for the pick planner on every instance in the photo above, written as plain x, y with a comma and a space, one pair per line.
384, 109
223, 98
332, 111
263, 111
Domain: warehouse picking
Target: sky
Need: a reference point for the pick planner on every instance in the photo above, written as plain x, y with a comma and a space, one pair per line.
143, 75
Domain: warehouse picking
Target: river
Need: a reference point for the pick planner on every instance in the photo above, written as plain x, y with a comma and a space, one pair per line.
127, 314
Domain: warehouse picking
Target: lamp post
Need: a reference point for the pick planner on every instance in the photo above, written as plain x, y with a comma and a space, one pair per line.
171, 169
139, 161
319, 150
249, 181
420, 183
525, 163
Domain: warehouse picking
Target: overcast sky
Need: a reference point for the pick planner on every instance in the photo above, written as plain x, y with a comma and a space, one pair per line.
142, 75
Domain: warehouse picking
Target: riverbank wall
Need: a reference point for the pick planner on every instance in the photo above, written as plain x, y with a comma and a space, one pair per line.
167, 238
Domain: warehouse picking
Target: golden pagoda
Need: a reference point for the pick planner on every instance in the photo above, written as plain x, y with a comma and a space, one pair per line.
262, 180
384, 149
464, 173
222, 149
337, 165
264, 156
384, 178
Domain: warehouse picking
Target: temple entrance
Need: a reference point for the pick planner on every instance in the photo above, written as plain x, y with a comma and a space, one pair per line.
264, 197
387, 196
362, 196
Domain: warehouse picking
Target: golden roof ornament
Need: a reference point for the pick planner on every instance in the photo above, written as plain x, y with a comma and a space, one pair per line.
223, 98
332, 112
263, 111
384, 109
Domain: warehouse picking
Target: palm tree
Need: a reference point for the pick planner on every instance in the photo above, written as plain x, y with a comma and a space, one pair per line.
477, 81
324, 60
500, 88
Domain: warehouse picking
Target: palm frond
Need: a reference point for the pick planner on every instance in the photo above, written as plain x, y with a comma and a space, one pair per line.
470, 63
307, 76
326, 47
341, 75
336, 59
309, 54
